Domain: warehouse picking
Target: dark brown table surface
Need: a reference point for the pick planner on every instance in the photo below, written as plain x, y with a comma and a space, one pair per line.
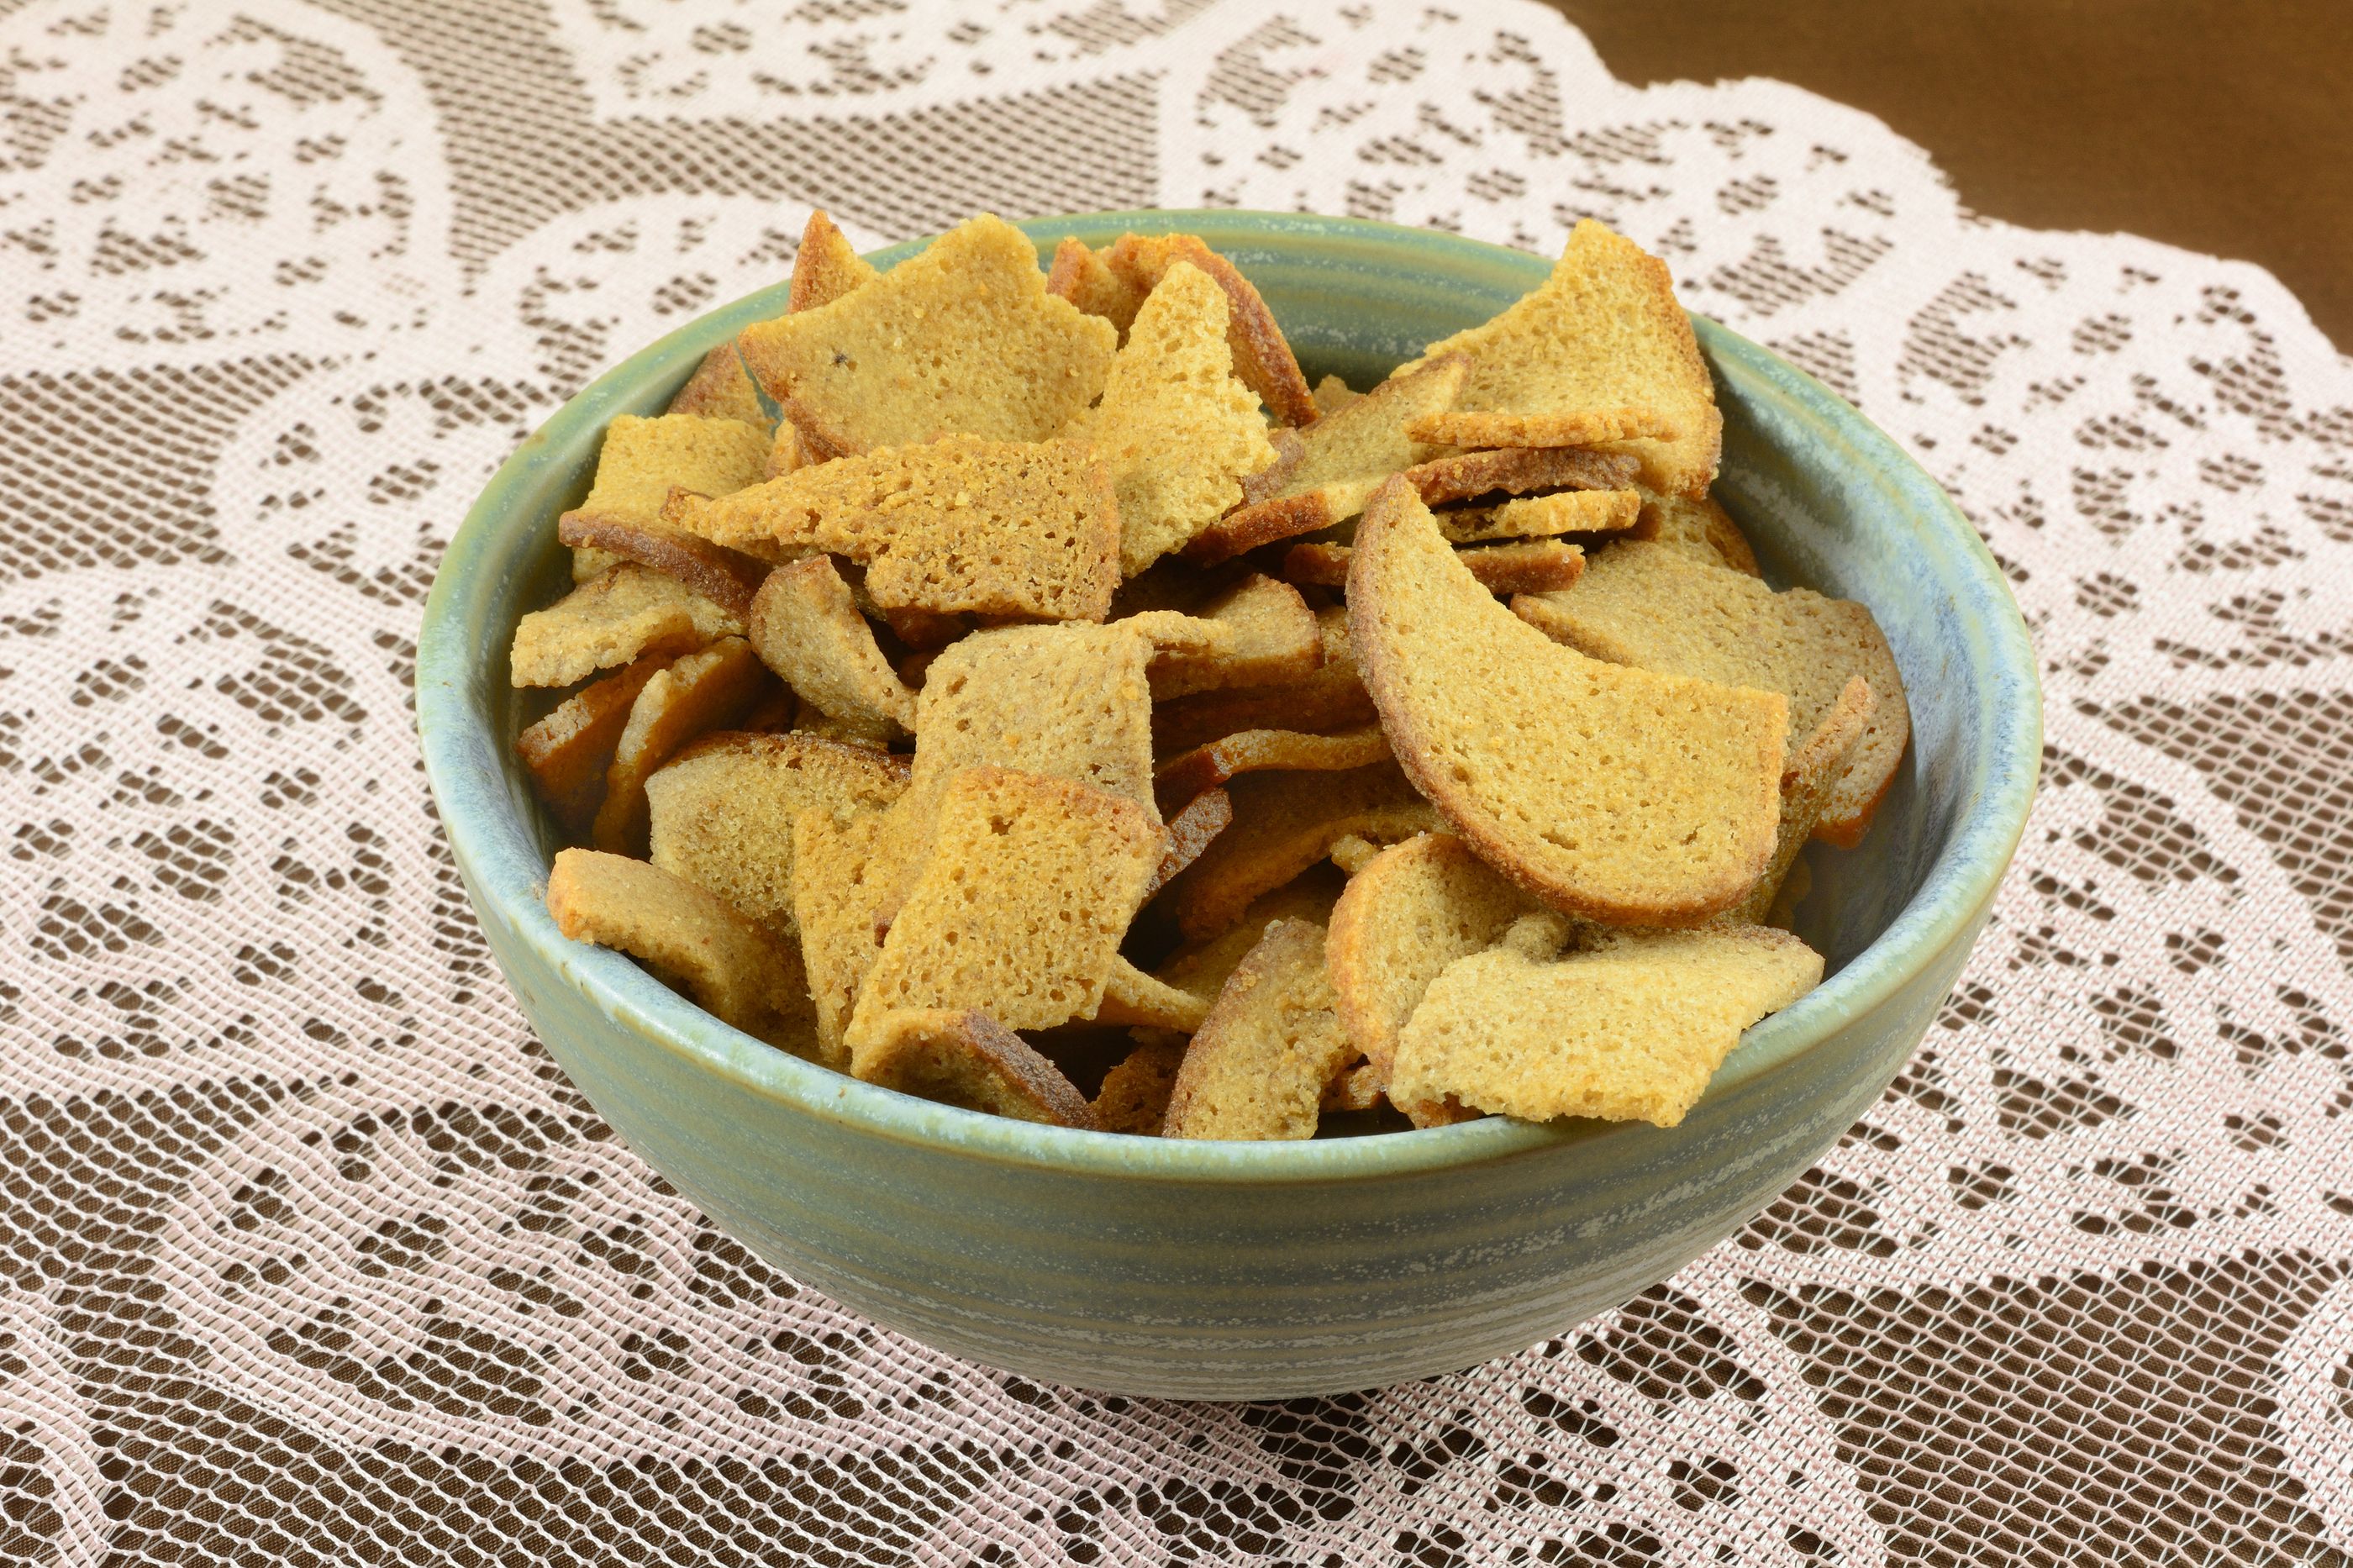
2218, 125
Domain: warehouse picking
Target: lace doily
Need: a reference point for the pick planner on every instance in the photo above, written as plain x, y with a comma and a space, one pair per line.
307, 1247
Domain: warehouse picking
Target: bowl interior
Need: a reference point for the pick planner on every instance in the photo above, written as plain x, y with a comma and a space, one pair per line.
1828, 502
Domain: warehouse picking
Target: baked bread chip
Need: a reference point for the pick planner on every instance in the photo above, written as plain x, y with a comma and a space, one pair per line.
806, 626
1517, 470
1259, 632
1191, 827
1695, 523
1070, 702
1078, 274
1333, 698
1331, 395
643, 459
628, 612
1544, 517
961, 340
1326, 473
825, 267
1132, 997
842, 877
1658, 607
567, 751
1416, 907
702, 691
1812, 776
721, 812
1135, 1094
968, 1059
1599, 352
1187, 776
1026, 888
719, 388
1201, 968
1606, 791
1284, 822
1027, 530
1258, 1064
826, 727
1521, 566
735, 969
785, 453
1353, 1089
1630, 1030
1175, 428
728, 578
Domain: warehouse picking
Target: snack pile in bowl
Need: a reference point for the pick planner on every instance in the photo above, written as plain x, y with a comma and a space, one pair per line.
1065, 711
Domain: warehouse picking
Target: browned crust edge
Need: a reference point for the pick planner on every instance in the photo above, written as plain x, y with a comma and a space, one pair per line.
728, 578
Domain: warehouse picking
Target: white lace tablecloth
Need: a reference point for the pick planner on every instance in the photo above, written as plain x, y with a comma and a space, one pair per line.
307, 1247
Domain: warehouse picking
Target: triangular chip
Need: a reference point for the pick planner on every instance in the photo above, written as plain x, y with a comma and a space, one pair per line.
1610, 792
965, 1058
721, 813
1676, 611
735, 969
1175, 428
960, 340
825, 267
1630, 1030
1599, 352
1078, 274
1258, 1065
627, 612
1330, 468
806, 626
1027, 886
1021, 529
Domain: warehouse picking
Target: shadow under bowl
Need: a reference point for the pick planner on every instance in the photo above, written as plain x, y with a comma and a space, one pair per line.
1254, 1270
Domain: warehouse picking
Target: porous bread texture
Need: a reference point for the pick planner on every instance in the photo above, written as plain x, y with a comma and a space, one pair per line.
1601, 335
728, 578
1326, 473
1517, 470
1070, 702
1548, 516
1658, 607
842, 877
567, 753
702, 691
826, 727
721, 813
1518, 566
1028, 885
1619, 793
644, 459
1174, 428
1201, 968
784, 453
1257, 1066
1695, 523
719, 388
1192, 827
960, 340
1188, 774
968, 1059
1115, 284
1135, 1094
962, 525
806, 626
733, 969
607, 622
1630, 1030
1808, 783
1259, 632
1333, 698
1132, 997
1353, 1089
1416, 907
825, 267
1331, 395
1284, 822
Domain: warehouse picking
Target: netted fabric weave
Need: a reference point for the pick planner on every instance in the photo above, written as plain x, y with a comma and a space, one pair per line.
308, 1253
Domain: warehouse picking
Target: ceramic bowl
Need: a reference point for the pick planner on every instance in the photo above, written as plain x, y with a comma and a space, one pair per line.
1248, 1270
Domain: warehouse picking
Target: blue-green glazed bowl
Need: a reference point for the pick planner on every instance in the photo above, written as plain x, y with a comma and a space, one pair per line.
1250, 1270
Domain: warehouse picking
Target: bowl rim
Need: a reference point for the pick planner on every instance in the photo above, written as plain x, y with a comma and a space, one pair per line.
498, 854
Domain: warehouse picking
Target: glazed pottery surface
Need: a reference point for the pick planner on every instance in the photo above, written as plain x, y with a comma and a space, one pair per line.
1247, 1270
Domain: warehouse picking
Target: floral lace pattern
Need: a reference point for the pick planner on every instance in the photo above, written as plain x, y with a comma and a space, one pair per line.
307, 1247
